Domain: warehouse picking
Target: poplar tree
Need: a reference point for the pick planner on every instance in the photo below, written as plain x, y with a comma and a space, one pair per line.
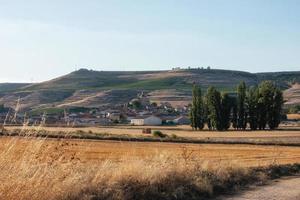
276, 109
214, 108
225, 111
266, 92
252, 99
234, 113
241, 112
197, 112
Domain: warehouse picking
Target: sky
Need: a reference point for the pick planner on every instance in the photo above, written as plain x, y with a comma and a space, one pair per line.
42, 39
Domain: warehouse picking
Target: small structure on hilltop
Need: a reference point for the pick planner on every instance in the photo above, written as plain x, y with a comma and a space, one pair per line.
146, 120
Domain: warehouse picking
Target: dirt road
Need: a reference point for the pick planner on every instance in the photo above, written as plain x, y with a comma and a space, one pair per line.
283, 189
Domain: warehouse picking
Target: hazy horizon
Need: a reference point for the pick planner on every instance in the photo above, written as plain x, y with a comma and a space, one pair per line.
42, 40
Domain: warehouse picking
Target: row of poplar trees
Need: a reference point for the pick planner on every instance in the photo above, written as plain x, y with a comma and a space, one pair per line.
256, 107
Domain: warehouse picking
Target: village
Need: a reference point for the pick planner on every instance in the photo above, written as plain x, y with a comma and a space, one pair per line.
139, 111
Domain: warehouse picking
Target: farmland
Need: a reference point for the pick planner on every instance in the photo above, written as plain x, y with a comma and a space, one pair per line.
285, 135
44, 168
91, 151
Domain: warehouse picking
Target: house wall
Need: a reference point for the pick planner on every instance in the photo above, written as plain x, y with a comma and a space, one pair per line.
182, 121
137, 121
152, 121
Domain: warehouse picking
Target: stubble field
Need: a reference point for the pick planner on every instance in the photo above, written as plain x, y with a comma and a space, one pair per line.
44, 168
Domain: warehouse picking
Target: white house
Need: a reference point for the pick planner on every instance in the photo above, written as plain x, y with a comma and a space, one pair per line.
146, 120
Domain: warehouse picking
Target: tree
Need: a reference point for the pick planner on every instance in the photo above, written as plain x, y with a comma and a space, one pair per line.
214, 108
241, 112
197, 112
252, 98
234, 113
266, 92
225, 111
136, 104
269, 105
3, 109
276, 109
205, 113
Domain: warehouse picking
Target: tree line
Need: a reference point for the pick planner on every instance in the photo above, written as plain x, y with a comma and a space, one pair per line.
256, 107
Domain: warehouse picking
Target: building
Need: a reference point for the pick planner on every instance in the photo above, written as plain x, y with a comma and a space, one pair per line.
182, 120
146, 120
114, 115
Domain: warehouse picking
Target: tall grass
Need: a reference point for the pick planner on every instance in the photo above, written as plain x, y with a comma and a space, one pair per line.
37, 170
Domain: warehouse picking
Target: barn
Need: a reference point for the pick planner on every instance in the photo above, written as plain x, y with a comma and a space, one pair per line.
182, 120
146, 120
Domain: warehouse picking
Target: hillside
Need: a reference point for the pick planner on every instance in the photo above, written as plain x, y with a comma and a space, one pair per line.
151, 80
4, 87
87, 88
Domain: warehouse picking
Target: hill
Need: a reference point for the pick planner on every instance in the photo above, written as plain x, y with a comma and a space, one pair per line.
4, 87
88, 88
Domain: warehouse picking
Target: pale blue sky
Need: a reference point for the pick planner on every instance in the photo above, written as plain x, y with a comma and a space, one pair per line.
42, 39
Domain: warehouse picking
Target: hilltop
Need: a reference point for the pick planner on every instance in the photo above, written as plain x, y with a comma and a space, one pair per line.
88, 88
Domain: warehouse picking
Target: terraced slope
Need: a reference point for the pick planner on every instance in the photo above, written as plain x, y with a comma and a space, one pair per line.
292, 95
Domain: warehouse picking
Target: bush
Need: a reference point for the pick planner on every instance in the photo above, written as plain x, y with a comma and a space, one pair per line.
159, 134
174, 136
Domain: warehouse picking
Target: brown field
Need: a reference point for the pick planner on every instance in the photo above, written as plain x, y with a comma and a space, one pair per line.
293, 116
40, 168
88, 151
290, 135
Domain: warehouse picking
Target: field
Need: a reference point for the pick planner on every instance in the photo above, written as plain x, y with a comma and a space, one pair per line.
294, 116
91, 151
286, 135
40, 168
51, 168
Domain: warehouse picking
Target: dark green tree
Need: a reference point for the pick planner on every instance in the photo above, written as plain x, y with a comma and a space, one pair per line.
205, 113
265, 102
234, 112
241, 111
197, 110
214, 108
276, 109
225, 111
252, 98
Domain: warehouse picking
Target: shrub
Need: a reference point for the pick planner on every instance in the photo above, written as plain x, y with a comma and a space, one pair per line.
174, 136
158, 133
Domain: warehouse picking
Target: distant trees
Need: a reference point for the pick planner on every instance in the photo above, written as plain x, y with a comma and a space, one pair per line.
258, 106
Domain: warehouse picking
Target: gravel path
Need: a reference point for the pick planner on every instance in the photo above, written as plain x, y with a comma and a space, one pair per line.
282, 189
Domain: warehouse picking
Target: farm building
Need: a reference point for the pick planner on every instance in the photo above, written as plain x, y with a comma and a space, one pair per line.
182, 120
147, 120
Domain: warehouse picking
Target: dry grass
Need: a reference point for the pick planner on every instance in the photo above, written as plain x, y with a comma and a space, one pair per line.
40, 168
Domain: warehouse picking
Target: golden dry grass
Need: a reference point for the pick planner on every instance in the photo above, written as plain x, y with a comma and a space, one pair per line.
90, 151
40, 168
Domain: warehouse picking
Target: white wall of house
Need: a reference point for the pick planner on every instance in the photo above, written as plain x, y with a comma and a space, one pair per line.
152, 121
138, 122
